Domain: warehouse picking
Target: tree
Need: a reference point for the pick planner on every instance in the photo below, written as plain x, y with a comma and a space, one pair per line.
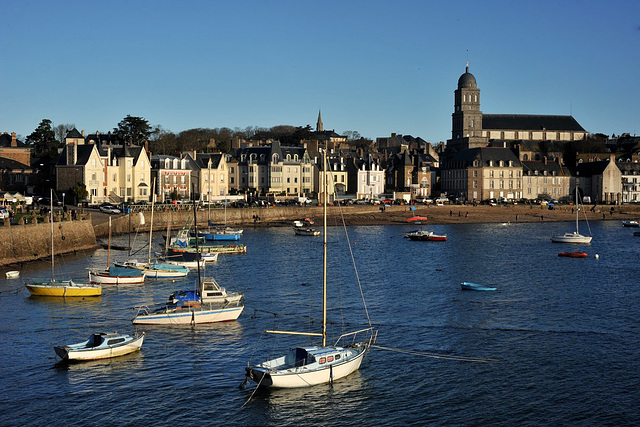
352, 135
80, 192
135, 130
43, 141
61, 130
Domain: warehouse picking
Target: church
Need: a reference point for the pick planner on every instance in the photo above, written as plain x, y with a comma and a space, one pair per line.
489, 155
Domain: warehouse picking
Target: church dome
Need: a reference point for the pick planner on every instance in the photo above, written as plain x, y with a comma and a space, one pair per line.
467, 80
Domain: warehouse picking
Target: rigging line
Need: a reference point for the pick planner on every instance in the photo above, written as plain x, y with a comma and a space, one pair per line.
254, 391
353, 261
435, 355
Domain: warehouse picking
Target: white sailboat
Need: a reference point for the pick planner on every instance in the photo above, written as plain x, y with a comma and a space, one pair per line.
209, 303
312, 365
62, 288
115, 275
158, 270
575, 236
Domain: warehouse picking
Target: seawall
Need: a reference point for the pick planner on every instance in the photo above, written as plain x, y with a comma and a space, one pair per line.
29, 242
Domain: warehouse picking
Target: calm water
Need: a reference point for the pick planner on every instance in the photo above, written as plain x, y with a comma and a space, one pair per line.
562, 335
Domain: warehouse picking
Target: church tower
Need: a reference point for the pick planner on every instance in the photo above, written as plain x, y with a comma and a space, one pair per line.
319, 126
466, 129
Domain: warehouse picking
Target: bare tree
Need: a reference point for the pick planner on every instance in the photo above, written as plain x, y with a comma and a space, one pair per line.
61, 130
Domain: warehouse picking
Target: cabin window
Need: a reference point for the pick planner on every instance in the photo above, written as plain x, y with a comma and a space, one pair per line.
322, 360
115, 341
330, 359
337, 356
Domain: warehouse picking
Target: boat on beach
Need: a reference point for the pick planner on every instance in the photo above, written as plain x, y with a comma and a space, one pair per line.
100, 346
417, 220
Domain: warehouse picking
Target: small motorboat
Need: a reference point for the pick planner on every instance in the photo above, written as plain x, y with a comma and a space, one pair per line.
630, 223
573, 254
13, 274
306, 231
468, 286
424, 235
100, 346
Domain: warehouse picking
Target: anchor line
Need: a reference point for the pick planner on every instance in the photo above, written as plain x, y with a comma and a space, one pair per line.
435, 355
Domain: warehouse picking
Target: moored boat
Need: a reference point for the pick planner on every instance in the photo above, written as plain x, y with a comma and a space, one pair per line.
306, 231
13, 274
306, 366
573, 254
100, 346
574, 236
630, 223
117, 276
424, 235
64, 289
469, 286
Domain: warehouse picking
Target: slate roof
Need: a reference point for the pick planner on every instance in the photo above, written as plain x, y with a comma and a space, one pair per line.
5, 141
530, 122
591, 168
202, 160
484, 155
74, 133
83, 154
6, 163
530, 167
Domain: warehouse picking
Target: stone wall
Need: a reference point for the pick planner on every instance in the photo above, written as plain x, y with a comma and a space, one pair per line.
28, 242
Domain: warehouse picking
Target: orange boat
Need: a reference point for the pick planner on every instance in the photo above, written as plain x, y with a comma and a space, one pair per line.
573, 254
417, 220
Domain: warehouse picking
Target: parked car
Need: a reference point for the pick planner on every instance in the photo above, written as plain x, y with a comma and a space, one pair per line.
109, 208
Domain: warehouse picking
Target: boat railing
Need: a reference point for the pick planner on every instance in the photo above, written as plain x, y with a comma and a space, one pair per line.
354, 335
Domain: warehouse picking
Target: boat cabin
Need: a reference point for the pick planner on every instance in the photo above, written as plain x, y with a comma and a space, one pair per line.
319, 355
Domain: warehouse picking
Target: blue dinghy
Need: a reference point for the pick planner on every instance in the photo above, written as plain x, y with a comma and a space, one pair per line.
468, 286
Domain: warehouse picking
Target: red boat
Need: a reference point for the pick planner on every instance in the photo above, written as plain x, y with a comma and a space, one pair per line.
573, 254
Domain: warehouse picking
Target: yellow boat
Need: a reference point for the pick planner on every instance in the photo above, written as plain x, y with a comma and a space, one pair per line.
64, 289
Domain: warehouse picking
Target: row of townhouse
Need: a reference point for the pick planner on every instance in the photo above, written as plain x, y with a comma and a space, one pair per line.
116, 173
124, 173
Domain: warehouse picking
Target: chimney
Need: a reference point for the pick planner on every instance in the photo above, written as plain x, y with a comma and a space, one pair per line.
82, 133
14, 141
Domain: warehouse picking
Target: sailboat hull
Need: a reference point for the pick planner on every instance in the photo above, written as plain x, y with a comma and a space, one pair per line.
64, 289
277, 373
185, 316
571, 238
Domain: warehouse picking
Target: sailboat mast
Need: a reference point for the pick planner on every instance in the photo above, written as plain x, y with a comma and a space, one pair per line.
324, 255
109, 244
577, 209
51, 222
153, 199
198, 256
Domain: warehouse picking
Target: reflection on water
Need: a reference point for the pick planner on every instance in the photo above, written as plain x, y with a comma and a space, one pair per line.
563, 332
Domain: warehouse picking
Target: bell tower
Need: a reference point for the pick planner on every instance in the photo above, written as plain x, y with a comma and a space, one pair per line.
466, 129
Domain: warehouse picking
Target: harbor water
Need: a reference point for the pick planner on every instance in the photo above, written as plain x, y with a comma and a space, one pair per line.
556, 344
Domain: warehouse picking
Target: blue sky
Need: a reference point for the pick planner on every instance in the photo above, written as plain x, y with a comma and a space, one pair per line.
375, 67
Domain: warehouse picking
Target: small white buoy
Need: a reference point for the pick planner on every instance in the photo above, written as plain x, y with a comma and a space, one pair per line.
596, 256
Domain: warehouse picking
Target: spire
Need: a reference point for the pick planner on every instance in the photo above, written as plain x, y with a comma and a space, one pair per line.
467, 66
319, 127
